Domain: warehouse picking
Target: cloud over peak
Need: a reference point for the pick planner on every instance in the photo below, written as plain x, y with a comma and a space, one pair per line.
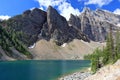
117, 11
4, 17
65, 8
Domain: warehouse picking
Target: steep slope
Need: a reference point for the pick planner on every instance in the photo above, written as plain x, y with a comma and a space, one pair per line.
28, 25
109, 72
11, 48
57, 28
91, 23
35, 26
76, 49
3, 55
95, 24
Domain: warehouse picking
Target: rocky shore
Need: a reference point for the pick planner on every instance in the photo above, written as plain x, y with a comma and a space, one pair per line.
109, 72
76, 76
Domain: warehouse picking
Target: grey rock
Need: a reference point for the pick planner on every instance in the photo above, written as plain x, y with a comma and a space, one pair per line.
29, 23
95, 24
74, 21
45, 32
58, 29
38, 16
58, 26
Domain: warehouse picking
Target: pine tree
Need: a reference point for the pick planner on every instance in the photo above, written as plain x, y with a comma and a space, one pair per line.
117, 47
110, 54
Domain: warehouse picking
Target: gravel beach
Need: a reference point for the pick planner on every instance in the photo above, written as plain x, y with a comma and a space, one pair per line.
76, 76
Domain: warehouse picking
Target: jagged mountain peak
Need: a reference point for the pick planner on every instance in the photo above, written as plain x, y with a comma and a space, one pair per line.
87, 9
50, 24
72, 15
99, 10
52, 10
33, 11
50, 7
96, 23
34, 25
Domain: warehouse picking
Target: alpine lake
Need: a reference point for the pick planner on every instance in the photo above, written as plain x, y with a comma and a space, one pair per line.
40, 69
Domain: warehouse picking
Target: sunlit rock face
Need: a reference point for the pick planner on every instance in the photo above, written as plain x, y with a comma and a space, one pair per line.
37, 24
95, 24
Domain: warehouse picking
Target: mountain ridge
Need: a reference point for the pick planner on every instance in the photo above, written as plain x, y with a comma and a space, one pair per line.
35, 25
96, 23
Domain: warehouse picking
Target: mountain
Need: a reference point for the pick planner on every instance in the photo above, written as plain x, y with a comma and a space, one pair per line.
95, 24
37, 26
11, 48
29, 24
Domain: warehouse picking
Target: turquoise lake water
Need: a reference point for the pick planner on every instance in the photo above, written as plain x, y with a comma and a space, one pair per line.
39, 69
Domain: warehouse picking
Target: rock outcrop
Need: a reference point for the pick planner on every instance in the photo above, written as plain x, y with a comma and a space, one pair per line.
89, 25
56, 26
29, 24
95, 24
58, 29
35, 25
110, 72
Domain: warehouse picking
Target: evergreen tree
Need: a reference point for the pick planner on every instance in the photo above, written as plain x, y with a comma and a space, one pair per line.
117, 45
109, 54
9, 39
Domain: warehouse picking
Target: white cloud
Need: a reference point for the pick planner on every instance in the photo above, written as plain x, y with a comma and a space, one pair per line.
100, 3
32, 8
46, 3
41, 8
66, 9
4, 17
63, 6
117, 11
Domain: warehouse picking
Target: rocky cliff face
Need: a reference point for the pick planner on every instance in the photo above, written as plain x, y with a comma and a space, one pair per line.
28, 24
35, 25
95, 24
89, 25
58, 29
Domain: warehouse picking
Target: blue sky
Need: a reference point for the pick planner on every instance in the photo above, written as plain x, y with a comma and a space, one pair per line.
10, 8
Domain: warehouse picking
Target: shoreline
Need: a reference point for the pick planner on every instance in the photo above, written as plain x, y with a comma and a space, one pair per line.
78, 75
